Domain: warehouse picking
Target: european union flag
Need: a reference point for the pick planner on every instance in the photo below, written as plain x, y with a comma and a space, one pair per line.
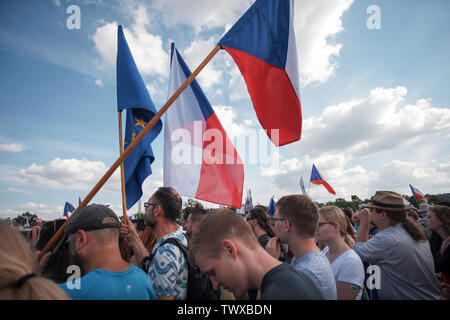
133, 96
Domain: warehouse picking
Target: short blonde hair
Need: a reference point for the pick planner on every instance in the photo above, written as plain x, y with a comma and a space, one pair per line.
217, 225
15, 262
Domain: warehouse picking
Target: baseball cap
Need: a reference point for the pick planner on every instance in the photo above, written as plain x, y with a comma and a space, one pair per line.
92, 217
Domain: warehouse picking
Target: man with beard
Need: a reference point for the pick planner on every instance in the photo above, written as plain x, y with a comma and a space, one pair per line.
93, 236
166, 266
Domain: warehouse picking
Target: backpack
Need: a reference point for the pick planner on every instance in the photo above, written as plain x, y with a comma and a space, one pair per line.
199, 286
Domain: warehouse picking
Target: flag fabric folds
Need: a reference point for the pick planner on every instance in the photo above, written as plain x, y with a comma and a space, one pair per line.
271, 207
262, 43
199, 159
68, 208
302, 185
316, 178
416, 193
133, 96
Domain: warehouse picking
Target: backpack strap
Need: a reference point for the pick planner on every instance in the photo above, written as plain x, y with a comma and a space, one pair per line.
146, 261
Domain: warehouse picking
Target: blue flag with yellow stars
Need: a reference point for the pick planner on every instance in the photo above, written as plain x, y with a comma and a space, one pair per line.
133, 96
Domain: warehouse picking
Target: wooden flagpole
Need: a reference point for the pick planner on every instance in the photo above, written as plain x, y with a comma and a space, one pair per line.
53, 241
122, 172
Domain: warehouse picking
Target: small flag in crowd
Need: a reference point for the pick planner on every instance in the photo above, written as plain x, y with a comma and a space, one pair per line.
133, 96
316, 178
213, 171
26, 224
302, 185
262, 43
68, 208
416, 193
271, 207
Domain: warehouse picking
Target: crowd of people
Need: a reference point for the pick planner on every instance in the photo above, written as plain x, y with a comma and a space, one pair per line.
387, 250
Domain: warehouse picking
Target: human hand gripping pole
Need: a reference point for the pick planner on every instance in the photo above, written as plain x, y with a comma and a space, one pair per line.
130, 148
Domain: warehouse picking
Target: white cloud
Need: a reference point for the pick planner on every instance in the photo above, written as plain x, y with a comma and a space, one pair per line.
429, 176
372, 124
57, 3
200, 14
146, 48
237, 86
316, 25
194, 55
18, 190
28, 205
99, 82
227, 117
70, 174
12, 147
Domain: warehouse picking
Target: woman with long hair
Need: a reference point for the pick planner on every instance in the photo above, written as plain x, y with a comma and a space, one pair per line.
438, 220
257, 218
18, 281
336, 231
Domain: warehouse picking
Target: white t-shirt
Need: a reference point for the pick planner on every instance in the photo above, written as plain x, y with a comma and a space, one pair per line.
349, 268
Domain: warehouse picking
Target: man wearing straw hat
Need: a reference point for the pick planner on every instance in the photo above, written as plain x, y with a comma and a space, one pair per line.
399, 249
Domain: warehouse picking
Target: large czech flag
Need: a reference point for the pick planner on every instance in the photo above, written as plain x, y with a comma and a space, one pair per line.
316, 178
416, 193
200, 161
262, 43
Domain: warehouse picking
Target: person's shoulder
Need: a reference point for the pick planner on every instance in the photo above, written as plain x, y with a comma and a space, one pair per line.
281, 280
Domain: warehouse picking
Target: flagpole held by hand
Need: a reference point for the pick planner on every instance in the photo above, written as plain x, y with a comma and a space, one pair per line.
130, 148
122, 172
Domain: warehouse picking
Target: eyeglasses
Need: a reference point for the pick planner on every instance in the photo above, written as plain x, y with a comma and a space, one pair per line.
323, 223
148, 204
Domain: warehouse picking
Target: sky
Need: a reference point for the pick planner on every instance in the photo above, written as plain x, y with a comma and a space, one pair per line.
374, 87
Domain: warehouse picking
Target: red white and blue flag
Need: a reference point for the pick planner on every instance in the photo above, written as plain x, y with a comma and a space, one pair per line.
316, 178
68, 208
416, 193
200, 161
262, 43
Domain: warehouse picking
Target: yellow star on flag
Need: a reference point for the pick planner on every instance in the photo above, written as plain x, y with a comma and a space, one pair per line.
140, 122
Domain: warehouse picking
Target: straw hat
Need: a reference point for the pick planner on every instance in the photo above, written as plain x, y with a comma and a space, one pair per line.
387, 200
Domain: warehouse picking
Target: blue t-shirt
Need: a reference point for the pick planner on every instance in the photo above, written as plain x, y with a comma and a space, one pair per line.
168, 270
99, 284
317, 267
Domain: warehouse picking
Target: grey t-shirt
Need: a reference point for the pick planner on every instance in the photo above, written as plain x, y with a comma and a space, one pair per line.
406, 265
285, 283
317, 267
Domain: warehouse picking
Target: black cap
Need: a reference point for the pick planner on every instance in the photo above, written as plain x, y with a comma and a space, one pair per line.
92, 217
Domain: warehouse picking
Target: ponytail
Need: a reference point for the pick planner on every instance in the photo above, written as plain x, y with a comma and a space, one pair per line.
412, 227
350, 234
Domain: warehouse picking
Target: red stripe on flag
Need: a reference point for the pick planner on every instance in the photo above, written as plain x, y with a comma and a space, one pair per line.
220, 182
274, 99
325, 184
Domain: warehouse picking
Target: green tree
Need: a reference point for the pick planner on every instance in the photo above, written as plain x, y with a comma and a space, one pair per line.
19, 220
190, 203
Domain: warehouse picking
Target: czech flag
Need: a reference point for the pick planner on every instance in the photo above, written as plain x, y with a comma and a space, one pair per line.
68, 208
316, 178
262, 43
416, 193
200, 161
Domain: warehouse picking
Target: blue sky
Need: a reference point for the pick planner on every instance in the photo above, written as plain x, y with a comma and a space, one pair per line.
375, 103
